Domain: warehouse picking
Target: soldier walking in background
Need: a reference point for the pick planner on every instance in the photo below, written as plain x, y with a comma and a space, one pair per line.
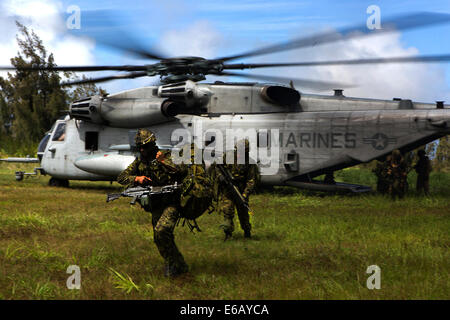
382, 177
245, 177
155, 168
423, 169
329, 178
397, 174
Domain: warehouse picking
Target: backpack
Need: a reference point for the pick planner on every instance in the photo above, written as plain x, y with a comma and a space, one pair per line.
196, 190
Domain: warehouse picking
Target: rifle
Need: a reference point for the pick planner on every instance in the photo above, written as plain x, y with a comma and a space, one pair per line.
138, 192
238, 199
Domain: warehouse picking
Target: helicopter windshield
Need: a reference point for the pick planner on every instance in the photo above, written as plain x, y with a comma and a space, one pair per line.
43, 143
60, 132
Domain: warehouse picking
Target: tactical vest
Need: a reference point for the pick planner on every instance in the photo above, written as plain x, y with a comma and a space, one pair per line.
196, 191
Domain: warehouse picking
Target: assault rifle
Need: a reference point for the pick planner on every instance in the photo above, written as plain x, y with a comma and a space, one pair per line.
138, 192
238, 199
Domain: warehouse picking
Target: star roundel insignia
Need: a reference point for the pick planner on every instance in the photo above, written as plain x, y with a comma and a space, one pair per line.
379, 141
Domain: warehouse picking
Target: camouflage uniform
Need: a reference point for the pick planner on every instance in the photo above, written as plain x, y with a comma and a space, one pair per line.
245, 178
397, 174
382, 177
196, 191
164, 208
423, 169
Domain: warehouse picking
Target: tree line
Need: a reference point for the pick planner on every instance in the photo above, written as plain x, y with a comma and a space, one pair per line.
439, 153
31, 101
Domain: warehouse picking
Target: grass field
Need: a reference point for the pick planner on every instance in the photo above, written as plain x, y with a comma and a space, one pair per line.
306, 245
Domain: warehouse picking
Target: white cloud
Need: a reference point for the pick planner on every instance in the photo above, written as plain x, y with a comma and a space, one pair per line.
420, 82
199, 39
40, 15
46, 19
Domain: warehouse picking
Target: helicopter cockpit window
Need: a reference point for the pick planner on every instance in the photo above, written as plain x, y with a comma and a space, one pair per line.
60, 132
43, 143
91, 141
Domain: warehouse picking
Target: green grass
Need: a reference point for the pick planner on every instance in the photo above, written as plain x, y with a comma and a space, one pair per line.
306, 245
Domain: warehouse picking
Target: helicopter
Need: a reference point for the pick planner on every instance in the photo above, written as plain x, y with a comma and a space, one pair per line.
306, 135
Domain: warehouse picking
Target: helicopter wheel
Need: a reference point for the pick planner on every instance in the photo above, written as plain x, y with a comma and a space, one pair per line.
53, 182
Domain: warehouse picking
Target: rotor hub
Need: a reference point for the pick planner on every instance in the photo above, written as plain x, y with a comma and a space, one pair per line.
185, 68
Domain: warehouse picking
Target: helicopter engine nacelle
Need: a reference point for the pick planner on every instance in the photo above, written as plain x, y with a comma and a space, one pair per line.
125, 112
187, 91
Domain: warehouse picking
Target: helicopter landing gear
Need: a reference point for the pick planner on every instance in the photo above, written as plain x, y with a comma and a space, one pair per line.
53, 182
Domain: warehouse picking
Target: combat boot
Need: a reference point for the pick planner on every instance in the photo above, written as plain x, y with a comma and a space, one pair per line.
228, 235
247, 234
174, 270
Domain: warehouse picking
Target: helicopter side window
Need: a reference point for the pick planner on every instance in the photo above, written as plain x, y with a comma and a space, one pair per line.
60, 132
91, 141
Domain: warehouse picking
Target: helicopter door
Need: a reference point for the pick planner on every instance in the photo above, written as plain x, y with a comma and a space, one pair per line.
56, 149
91, 141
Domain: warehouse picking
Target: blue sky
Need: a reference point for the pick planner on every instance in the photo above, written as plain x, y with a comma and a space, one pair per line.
271, 21
217, 28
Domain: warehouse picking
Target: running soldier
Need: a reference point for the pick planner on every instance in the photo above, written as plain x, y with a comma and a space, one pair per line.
245, 178
154, 167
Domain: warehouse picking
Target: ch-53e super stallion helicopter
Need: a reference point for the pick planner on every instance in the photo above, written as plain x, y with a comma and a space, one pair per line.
316, 134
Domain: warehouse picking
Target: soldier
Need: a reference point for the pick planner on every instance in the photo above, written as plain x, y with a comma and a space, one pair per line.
397, 174
381, 173
329, 178
245, 177
423, 169
156, 168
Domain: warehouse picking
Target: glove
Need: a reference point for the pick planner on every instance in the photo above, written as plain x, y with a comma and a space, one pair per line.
142, 180
160, 156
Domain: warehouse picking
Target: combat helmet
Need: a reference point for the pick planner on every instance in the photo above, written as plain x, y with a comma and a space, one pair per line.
144, 137
396, 155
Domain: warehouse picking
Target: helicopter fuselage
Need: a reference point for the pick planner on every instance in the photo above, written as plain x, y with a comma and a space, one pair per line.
312, 136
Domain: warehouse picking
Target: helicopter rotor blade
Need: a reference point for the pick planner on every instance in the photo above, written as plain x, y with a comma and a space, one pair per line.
103, 27
417, 59
404, 22
131, 75
242, 66
305, 83
79, 68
